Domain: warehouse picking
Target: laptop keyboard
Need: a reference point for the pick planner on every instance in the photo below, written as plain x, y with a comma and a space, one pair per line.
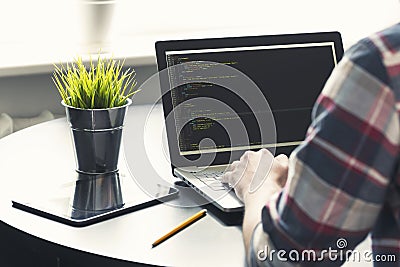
212, 179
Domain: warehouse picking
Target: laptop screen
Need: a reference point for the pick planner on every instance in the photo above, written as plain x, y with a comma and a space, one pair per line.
289, 75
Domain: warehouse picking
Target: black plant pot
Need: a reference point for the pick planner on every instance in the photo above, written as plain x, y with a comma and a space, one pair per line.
97, 136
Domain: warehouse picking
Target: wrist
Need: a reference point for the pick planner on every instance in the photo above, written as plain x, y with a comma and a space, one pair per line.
254, 202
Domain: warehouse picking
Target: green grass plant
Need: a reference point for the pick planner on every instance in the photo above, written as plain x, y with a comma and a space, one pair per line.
103, 85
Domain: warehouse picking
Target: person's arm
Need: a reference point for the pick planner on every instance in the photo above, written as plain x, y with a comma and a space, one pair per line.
254, 203
255, 199
339, 176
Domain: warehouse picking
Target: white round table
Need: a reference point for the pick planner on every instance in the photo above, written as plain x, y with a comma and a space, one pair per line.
36, 160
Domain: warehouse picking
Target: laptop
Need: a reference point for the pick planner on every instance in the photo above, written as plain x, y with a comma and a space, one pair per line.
278, 79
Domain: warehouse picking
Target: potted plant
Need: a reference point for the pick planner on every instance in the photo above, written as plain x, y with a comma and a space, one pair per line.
96, 100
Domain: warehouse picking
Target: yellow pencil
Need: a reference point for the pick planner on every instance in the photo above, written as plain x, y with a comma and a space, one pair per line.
180, 227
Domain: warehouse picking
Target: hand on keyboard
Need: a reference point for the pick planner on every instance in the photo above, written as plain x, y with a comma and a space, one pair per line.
248, 174
212, 179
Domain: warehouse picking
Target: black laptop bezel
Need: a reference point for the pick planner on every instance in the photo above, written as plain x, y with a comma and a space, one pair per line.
177, 160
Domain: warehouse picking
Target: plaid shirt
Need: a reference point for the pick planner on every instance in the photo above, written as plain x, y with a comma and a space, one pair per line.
344, 180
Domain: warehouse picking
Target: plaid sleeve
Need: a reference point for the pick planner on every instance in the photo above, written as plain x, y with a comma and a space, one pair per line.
339, 175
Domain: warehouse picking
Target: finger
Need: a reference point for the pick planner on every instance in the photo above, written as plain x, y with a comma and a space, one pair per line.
282, 169
282, 159
233, 165
246, 155
265, 151
266, 155
226, 177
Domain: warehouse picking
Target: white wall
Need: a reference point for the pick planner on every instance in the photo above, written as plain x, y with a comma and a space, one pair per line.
46, 28
29, 95
49, 29
354, 18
